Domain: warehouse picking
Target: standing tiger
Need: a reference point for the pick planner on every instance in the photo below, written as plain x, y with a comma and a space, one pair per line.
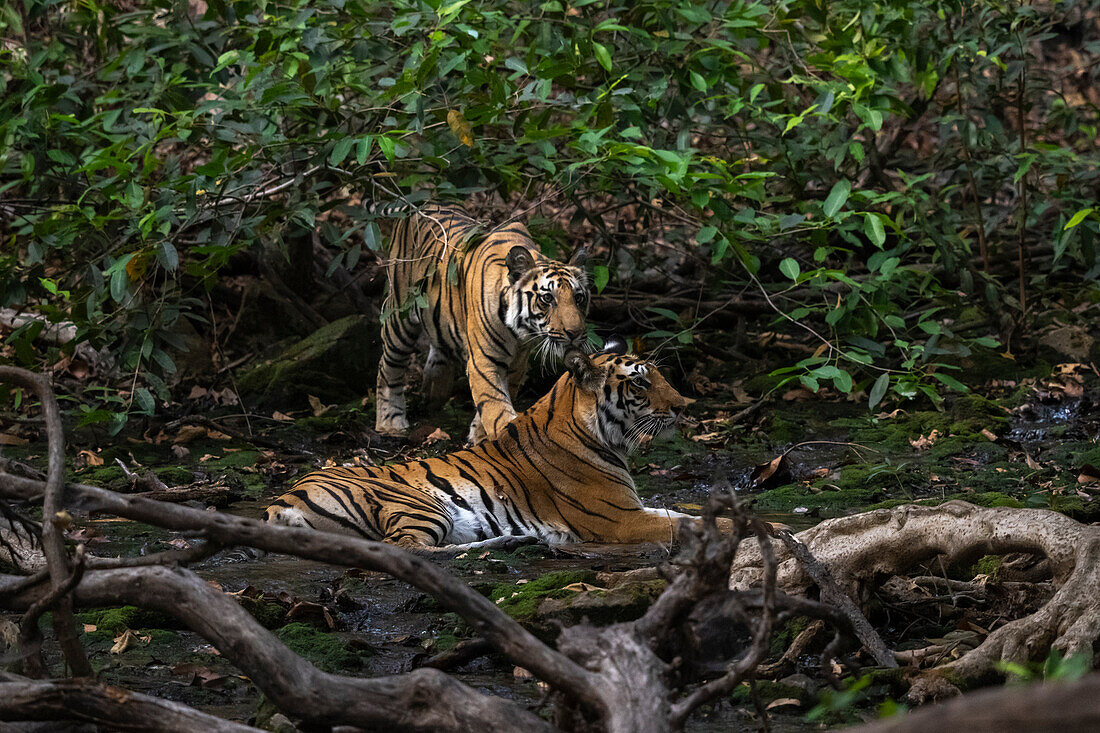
485, 299
558, 472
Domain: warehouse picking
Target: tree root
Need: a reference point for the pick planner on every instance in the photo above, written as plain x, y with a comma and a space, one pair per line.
864, 549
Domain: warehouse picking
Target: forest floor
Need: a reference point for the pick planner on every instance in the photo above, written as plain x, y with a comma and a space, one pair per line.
796, 458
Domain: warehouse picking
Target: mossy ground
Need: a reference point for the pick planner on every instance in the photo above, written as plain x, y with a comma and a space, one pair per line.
324, 649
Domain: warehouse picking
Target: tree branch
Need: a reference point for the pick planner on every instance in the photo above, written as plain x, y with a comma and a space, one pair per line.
53, 543
22, 699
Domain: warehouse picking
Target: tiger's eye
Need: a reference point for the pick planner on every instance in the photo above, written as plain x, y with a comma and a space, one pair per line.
546, 298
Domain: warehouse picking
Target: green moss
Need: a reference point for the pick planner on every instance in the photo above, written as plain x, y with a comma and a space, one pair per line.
323, 649
117, 620
787, 498
781, 430
235, 459
989, 565
174, 475
522, 601
785, 634
105, 476
270, 615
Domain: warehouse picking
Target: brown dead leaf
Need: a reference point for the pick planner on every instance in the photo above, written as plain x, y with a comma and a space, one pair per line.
799, 394
1089, 474
89, 628
520, 673
317, 407
783, 701
436, 436
1033, 464
182, 453
197, 393
990, 435
707, 437
281, 417
127, 639
767, 472
925, 442
88, 458
581, 587
187, 433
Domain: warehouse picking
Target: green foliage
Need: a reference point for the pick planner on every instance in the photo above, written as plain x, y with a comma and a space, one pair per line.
143, 147
1054, 668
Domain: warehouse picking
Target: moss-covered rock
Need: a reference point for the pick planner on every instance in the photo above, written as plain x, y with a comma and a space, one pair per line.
521, 602
324, 649
625, 602
335, 363
117, 620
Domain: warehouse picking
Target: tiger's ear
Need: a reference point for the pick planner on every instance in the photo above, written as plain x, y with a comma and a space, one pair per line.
615, 344
587, 375
519, 261
580, 256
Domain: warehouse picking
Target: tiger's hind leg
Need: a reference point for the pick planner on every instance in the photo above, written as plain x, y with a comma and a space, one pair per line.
438, 379
399, 337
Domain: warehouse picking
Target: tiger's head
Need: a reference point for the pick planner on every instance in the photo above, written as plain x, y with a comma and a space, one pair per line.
549, 302
623, 397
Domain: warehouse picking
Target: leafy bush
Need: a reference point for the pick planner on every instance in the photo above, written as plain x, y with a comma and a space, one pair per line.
872, 167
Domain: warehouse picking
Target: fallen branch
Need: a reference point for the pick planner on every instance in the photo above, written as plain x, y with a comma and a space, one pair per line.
22, 699
833, 595
424, 700
518, 644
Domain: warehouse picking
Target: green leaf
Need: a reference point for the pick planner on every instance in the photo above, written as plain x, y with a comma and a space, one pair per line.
602, 55
698, 81
600, 277
1077, 218
872, 227
837, 197
951, 382
843, 381
878, 390
340, 151
706, 234
790, 267
144, 400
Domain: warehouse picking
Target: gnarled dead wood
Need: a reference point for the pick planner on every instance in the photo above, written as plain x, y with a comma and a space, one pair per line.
518, 644
424, 700
864, 549
53, 542
22, 699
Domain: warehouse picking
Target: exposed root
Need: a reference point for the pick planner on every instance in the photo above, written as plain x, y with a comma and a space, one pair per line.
863, 550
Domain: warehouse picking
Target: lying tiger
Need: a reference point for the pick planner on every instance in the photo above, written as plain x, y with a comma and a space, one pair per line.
484, 299
557, 473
